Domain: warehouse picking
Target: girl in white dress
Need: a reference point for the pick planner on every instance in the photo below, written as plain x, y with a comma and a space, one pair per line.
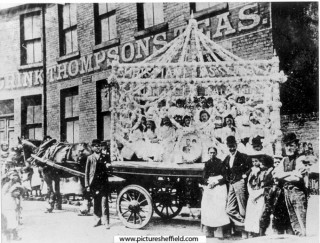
152, 150
167, 139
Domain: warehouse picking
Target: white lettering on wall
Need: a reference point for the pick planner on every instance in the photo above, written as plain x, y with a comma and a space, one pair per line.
86, 64
124, 51
113, 53
27, 79
136, 50
73, 68
62, 68
38, 77
143, 45
223, 24
51, 71
253, 16
100, 59
10, 81
157, 42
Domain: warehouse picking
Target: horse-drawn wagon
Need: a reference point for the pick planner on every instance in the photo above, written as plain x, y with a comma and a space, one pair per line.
169, 109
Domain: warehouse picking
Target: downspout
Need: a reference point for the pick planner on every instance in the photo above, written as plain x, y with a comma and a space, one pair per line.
44, 56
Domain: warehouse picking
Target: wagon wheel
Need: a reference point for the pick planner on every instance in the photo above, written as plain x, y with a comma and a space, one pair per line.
167, 201
134, 206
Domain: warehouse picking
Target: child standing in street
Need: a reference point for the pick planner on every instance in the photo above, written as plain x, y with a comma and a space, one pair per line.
11, 206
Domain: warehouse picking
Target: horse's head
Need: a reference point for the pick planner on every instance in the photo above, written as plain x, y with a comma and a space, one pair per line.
28, 147
80, 151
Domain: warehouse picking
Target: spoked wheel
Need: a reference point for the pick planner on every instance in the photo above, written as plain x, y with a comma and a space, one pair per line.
134, 206
167, 201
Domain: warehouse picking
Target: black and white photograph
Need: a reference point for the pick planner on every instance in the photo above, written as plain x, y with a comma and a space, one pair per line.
155, 121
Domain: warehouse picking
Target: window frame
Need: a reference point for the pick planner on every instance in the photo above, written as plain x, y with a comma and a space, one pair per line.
218, 8
69, 92
141, 16
63, 31
24, 42
98, 25
27, 101
101, 114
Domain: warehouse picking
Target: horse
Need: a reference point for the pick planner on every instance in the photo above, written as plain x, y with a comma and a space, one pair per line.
72, 156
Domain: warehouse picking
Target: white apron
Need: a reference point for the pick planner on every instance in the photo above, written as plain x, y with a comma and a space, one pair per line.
254, 211
213, 206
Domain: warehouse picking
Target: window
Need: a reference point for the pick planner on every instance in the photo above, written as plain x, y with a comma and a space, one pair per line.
103, 111
149, 14
70, 115
203, 10
31, 38
201, 5
7, 122
106, 25
32, 117
68, 27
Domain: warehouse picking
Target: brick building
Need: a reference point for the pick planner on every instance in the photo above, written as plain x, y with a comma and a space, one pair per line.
82, 40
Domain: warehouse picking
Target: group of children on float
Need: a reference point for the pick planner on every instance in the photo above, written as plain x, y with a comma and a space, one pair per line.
159, 133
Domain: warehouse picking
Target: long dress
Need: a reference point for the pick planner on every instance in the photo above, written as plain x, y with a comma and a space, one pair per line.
213, 204
256, 200
152, 149
167, 136
134, 146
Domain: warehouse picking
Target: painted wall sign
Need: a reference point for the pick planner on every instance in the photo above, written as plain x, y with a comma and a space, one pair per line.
236, 21
21, 79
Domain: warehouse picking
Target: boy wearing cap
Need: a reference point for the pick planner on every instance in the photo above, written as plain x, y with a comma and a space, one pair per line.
293, 184
238, 166
96, 182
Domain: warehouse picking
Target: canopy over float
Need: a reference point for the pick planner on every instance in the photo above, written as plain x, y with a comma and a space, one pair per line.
190, 74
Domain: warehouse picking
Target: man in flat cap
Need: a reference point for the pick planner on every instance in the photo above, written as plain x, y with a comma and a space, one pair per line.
293, 184
96, 182
238, 166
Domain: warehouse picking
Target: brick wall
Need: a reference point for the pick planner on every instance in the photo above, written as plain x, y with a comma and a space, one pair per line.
10, 62
88, 110
255, 43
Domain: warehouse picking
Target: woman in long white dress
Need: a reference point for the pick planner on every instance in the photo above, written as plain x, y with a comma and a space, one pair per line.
167, 139
214, 199
205, 128
152, 150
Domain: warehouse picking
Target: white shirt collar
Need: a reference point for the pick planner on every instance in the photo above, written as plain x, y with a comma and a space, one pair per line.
234, 155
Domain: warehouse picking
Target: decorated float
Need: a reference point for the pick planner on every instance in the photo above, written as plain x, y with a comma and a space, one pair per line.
190, 95
169, 109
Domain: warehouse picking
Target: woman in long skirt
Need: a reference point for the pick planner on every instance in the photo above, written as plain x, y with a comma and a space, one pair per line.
259, 181
213, 204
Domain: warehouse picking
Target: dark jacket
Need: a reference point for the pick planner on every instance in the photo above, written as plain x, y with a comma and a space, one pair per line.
214, 167
241, 166
91, 169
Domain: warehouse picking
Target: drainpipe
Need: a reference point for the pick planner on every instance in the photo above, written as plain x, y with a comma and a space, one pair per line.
44, 56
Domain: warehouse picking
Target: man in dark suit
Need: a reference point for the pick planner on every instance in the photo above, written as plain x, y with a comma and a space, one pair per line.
238, 166
96, 182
